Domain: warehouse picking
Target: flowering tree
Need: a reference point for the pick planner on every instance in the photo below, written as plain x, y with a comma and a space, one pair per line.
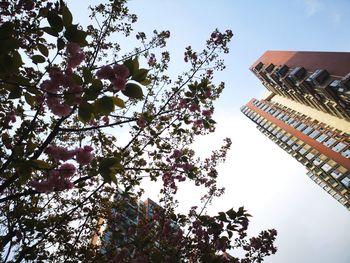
66, 95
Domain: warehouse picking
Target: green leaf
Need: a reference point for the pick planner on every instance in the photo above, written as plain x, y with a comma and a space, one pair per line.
87, 75
39, 164
77, 79
104, 105
29, 99
119, 102
133, 91
55, 21
145, 82
60, 44
92, 93
85, 112
108, 168
50, 31
43, 50
38, 59
6, 30
73, 34
132, 65
15, 93
67, 17
140, 75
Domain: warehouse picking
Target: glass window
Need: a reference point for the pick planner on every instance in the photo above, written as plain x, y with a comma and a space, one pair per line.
336, 174
285, 118
310, 155
317, 161
302, 151
346, 182
284, 138
326, 167
322, 137
330, 142
295, 123
276, 113
290, 121
339, 146
274, 132
290, 142
280, 134
346, 153
314, 133
280, 116
264, 107
301, 127
307, 130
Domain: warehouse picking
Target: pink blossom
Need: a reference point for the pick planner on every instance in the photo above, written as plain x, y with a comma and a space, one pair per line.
59, 153
105, 72
194, 107
75, 55
105, 119
119, 83
84, 155
176, 154
76, 60
10, 117
141, 122
72, 48
152, 60
121, 71
61, 110
67, 170
182, 103
49, 86
207, 113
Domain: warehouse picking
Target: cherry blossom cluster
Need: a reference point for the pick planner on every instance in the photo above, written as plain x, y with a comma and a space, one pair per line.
75, 55
9, 118
58, 180
56, 87
117, 75
82, 155
60, 84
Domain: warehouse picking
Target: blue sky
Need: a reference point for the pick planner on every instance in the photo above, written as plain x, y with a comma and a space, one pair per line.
312, 226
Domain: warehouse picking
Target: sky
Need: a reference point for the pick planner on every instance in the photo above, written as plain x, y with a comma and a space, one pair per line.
312, 227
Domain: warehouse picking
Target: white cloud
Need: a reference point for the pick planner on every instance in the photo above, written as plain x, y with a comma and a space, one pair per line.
312, 6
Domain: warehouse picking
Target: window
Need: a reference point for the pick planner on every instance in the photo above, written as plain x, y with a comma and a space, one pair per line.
346, 153
336, 174
295, 123
307, 130
311, 154
314, 133
284, 138
339, 146
279, 135
326, 167
290, 121
274, 132
346, 182
301, 127
290, 142
276, 113
317, 161
329, 142
302, 151
322, 137
280, 116
285, 118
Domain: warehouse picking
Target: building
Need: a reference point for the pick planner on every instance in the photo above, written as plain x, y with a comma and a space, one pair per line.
307, 113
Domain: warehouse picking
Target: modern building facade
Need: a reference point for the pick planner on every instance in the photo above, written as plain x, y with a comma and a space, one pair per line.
306, 112
126, 215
